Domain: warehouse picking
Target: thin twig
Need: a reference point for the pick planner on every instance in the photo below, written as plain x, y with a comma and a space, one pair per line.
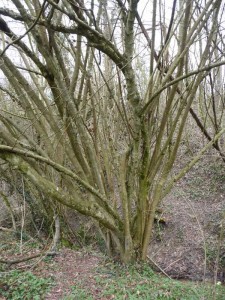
152, 261
26, 32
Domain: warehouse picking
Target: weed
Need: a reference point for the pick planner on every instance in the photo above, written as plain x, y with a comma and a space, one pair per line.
18, 285
140, 282
78, 293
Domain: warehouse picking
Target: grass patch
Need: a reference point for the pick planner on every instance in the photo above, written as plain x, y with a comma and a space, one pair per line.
17, 285
140, 282
78, 293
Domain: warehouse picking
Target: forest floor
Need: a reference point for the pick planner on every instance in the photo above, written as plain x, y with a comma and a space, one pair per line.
82, 275
191, 243
188, 244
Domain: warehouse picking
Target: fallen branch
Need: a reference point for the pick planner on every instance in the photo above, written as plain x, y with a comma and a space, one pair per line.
17, 261
158, 267
6, 229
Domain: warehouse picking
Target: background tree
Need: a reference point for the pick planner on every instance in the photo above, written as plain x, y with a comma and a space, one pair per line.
94, 104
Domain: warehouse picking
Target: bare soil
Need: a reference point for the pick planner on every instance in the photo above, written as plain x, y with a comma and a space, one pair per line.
191, 245
69, 268
188, 244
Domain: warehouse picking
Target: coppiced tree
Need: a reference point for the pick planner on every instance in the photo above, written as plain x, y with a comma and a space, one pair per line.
94, 103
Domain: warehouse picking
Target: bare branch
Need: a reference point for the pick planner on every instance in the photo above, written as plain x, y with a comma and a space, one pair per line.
23, 35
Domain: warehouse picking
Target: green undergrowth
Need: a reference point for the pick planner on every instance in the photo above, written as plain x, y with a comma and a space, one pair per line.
18, 285
79, 293
140, 282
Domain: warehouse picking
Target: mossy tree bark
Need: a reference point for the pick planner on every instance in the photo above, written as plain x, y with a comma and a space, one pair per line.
99, 105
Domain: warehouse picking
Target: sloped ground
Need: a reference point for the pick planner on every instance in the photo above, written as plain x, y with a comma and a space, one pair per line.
192, 243
75, 275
